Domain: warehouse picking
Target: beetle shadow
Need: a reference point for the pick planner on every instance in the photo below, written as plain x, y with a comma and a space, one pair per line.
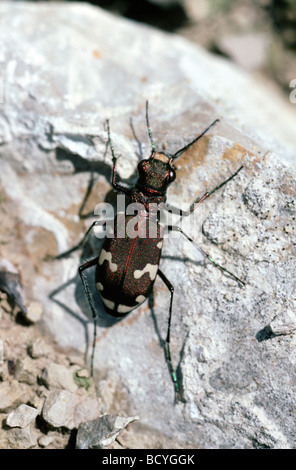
84, 314
162, 344
101, 167
82, 165
265, 334
52, 296
89, 251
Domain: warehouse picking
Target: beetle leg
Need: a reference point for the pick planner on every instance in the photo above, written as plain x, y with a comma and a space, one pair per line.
167, 341
183, 213
83, 278
115, 185
206, 255
208, 194
85, 199
74, 248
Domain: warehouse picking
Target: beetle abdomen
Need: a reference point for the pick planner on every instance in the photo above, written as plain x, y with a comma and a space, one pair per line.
126, 272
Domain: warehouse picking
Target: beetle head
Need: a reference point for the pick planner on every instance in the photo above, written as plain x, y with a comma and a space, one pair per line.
157, 172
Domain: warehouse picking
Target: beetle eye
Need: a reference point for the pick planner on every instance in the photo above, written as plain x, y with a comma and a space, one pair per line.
172, 176
141, 165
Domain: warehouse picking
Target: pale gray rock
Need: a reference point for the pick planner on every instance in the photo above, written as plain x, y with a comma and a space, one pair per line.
45, 440
34, 312
284, 324
26, 371
58, 376
101, 432
20, 438
87, 409
11, 395
58, 409
66, 409
39, 348
22, 416
247, 50
64, 74
11, 284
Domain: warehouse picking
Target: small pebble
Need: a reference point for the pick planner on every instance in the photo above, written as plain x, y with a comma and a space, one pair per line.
101, 432
58, 376
58, 409
34, 312
45, 440
283, 324
25, 371
22, 416
82, 373
11, 395
38, 348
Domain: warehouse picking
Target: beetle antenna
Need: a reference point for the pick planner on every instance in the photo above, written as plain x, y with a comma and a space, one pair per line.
178, 153
149, 131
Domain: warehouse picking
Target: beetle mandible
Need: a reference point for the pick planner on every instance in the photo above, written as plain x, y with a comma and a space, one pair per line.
126, 268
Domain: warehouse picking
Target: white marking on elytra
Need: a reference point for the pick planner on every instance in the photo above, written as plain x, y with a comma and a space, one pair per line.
107, 255
159, 245
100, 286
121, 308
109, 303
124, 308
149, 268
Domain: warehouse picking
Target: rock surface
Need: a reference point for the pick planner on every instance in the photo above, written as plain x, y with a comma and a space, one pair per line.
22, 416
63, 75
38, 416
101, 432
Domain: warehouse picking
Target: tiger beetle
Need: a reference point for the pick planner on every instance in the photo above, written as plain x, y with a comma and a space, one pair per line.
126, 268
